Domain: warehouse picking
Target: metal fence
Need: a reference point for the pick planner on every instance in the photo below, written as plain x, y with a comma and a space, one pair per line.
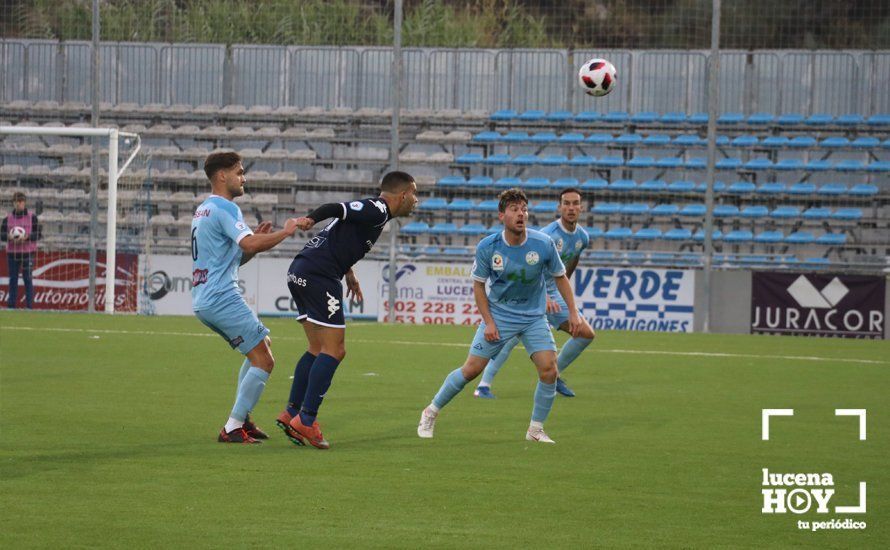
833, 82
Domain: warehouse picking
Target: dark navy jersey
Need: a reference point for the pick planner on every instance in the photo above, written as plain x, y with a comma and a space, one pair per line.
347, 239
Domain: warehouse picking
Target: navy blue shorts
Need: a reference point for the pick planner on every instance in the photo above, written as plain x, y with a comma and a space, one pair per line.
318, 299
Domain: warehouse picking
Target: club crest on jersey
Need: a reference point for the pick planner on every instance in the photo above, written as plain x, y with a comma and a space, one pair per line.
532, 258
559, 245
240, 226
356, 205
578, 245
497, 262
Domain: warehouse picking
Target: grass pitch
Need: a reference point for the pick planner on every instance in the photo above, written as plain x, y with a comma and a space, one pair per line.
109, 431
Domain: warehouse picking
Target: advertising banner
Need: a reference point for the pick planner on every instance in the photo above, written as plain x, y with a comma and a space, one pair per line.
429, 294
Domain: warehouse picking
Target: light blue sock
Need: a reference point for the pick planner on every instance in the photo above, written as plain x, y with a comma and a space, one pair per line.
570, 351
493, 366
544, 396
452, 386
245, 366
249, 392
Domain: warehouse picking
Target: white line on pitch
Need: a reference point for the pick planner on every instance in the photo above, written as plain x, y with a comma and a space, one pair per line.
464, 345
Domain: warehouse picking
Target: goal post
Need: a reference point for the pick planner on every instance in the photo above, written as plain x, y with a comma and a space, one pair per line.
114, 173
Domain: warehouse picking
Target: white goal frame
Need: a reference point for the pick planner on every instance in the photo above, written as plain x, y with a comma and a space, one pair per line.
113, 135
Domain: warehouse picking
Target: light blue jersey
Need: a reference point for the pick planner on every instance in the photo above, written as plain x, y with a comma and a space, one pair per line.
569, 244
217, 228
517, 273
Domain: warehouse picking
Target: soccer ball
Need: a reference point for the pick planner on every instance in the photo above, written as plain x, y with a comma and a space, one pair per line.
597, 77
17, 233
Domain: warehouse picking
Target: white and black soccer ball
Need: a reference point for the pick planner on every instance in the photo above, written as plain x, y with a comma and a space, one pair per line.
597, 77
17, 233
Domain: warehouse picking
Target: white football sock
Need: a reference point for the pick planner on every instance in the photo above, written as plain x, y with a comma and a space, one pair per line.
233, 424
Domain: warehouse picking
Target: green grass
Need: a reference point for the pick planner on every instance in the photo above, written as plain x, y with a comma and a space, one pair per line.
108, 429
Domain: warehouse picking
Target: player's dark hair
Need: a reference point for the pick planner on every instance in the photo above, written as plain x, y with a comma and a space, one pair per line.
18, 196
568, 190
396, 182
510, 196
220, 161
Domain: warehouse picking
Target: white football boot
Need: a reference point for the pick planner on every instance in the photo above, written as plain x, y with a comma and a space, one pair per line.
427, 423
536, 433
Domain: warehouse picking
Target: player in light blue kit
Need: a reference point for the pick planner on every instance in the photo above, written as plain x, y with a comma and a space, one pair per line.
571, 239
517, 263
221, 241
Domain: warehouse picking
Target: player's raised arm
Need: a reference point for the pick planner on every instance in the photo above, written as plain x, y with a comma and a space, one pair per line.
254, 243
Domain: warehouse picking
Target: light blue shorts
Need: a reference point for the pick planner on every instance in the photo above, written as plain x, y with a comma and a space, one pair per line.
235, 322
534, 333
561, 316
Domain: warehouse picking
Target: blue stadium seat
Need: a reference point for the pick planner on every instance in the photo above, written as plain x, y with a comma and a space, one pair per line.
879, 166
771, 188
673, 117
847, 214
789, 164
802, 142
594, 233
653, 186
453, 251
582, 160
818, 165
881, 119
865, 142
787, 259
725, 211
745, 141
849, 165
533, 115
731, 163
431, 250
644, 117
775, 141
543, 137
623, 185
415, 228
480, 182
693, 210
609, 162
635, 209
599, 139
594, 184
461, 205
544, 207
451, 181
760, 118
722, 141
785, 212
489, 205
741, 187
699, 235
677, 234
618, 233
815, 263
559, 116
696, 163
669, 163
628, 139
834, 142
498, 159
756, 211
515, 137
443, 228
657, 140
587, 116
758, 164
864, 190
802, 188
665, 210
525, 160
647, 234
688, 140
571, 138
508, 182
832, 239
731, 118
472, 229
606, 208
851, 119
886, 143
697, 118
554, 160
469, 158
832, 189
641, 162
536, 183
738, 236
503, 115
616, 117
487, 136
819, 119
435, 203
681, 186
563, 183
817, 213
790, 119
769, 237
719, 187
605, 255
800, 237
753, 260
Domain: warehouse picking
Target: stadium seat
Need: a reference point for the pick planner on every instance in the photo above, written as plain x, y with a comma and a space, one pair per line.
644, 117
849, 165
674, 117
745, 141
790, 119
657, 139
653, 185
461, 205
688, 140
802, 188
615, 117
453, 251
536, 183
754, 212
760, 118
864, 190
635, 209
594, 184
489, 205
817, 165
628, 139
835, 142
832, 239
587, 116
641, 162
693, 210
865, 143
431, 250
677, 234
731, 163
731, 118
847, 214
504, 115
443, 228
533, 115
618, 233
473, 229
435, 203
800, 237
785, 212
722, 141
775, 141
665, 210
563, 183
696, 163
415, 228
738, 236
771, 188
559, 116
647, 234
849, 120
543, 137
769, 237
725, 211
741, 187
699, 235
882, 119
599, 139
697, 118
515, 137
543, 207
758, 164
594, 233
469, 158
753, 260
606, 208
817, 213
802, 142
681, 186
525, 160
480, 181
498, 159
815, 263
819, 119
789, 164
451, 181
609, 162
554, 160
582, 160
487, 136
879, 166
571, 138
669, 163
832, 189
623, 185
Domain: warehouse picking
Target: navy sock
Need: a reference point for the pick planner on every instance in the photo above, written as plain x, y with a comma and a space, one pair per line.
319, 381
301, 381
